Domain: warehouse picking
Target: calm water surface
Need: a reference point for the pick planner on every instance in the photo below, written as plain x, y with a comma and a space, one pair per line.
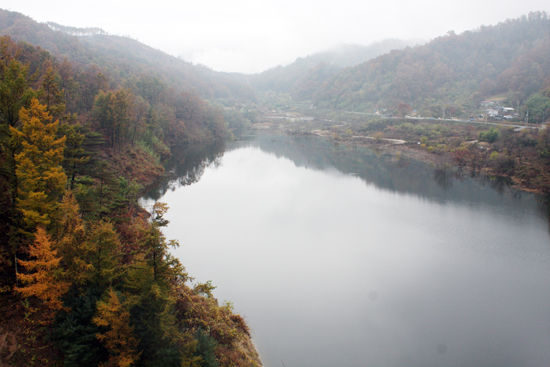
339, 257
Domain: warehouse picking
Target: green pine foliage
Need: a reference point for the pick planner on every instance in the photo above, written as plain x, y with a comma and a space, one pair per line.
206, 348
75, 335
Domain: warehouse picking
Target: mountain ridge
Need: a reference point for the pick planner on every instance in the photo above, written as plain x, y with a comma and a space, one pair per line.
127, 55
511, 57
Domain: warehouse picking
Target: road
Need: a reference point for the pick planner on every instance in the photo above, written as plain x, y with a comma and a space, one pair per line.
516, 127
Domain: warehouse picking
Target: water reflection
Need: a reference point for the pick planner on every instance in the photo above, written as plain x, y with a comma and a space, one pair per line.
186, 166
395, 173
342, 256
444, 177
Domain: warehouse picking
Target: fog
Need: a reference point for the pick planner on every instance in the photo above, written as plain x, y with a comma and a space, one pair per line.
252, 36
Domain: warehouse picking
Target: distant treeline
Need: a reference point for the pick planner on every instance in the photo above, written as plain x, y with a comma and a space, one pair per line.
124, 57
74, 31
511, 59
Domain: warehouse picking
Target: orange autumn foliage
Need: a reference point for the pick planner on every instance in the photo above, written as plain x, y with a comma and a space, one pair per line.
44, 274
119, 339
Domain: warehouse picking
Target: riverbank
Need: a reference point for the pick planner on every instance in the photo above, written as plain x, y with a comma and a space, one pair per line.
361, 212
493, 150
208, 332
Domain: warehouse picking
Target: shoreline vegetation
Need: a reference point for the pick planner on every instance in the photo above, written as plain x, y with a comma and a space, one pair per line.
491, 149
86, 274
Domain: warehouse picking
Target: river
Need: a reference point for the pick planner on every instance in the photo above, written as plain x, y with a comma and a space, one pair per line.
342, 256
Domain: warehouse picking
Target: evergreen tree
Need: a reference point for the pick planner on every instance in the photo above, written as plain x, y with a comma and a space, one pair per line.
157, 246
104, 244
112, 111
74, 154
75, 335
206, 348
15, 92
72, 245
53, 98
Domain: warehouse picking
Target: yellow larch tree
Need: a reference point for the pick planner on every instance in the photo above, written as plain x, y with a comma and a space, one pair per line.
119, 338
40, 177
43, 276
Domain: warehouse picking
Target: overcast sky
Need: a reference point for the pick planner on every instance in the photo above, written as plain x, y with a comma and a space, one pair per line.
253, 35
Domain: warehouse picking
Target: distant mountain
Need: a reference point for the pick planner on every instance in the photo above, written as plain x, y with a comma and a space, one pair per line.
346, 55
511, 59
305, 75
122, 56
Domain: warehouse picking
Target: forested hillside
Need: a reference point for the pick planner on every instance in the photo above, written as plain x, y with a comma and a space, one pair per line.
305, 75
455, 71
86, 275
123, 57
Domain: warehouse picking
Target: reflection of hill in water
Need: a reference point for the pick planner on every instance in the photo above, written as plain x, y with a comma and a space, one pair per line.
404, 176
389, 173
186, 166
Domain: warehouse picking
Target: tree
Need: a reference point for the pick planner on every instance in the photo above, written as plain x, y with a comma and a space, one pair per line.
44, 278
536, 106
119, 336
15, 92
74, 333
490, 136
112, 111
138, 113
486, 87
469, 131
545, 89
41, 180
53, 98
72, 245
157, 245
74, 154
104, 243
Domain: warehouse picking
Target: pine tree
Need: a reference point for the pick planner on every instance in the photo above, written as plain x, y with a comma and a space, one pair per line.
74, 154
72, 245
15, 92
104, 243
53, 98
74, 334
157, 246
112, 111
41, 180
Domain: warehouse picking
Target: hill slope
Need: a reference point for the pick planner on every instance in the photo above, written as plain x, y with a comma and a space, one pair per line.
86, 277
123, 56
512, 57
305, 75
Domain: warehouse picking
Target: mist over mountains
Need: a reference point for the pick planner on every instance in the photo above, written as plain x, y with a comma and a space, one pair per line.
122, 55
302, 77
101, 114
511, 59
